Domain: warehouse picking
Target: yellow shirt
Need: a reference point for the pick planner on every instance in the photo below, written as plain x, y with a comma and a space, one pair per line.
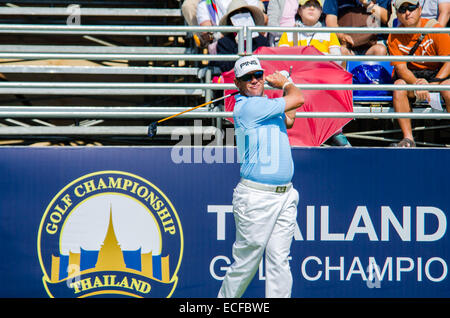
320, 40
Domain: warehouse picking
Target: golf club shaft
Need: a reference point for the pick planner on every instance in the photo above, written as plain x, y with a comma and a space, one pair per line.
201, 105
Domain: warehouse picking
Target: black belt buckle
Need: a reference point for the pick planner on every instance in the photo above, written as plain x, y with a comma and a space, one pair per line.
280, 189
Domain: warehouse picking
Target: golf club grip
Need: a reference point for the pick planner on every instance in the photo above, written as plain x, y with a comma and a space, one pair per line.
201, 105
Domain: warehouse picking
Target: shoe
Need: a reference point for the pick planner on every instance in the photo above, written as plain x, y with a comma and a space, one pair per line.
404, 143
340, 140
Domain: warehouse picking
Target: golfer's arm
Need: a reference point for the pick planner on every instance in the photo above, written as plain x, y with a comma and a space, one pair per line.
293, 97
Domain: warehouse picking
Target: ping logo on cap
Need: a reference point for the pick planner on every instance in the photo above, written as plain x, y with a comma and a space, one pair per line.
247, 63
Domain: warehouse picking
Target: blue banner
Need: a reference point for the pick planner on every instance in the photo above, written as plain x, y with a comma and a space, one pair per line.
158, 222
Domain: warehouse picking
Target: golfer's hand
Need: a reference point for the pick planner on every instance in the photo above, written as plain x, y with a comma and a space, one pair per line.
276, 80
422, 95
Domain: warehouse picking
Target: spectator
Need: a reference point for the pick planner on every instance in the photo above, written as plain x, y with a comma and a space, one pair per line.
418, 73
189, 11
309, 13
433, 9
436, 9
239, 14
209, 13
359, 13
280, 13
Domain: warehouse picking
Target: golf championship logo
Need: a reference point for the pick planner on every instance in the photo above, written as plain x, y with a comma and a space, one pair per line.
110, 233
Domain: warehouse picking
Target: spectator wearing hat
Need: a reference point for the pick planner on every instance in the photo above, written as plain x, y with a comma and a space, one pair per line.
417, 73
209, 13
431, 9
309, 12
239, 14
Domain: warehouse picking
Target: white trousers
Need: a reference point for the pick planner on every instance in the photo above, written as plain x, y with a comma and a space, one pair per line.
265, 221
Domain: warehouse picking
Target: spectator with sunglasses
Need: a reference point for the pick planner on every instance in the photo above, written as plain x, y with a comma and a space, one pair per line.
308, 15
432, 9
264, 201
418, 73
209, 13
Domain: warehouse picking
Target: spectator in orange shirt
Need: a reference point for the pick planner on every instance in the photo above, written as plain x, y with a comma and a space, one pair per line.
418, 73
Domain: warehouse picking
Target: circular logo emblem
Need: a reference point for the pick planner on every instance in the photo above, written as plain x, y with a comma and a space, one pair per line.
110, 233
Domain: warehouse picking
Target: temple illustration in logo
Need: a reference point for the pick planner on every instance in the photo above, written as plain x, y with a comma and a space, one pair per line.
110, 257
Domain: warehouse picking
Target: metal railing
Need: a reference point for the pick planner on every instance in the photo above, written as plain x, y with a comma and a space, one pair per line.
98, 12
244, 36
89, 88
99, 112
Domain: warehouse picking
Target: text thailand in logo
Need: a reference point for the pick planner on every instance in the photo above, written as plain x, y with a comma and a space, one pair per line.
110, 233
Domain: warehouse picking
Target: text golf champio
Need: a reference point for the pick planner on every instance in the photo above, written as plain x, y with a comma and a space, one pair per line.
349, 267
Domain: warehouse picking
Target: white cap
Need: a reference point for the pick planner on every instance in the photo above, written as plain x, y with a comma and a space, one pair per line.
246, 65
398, 3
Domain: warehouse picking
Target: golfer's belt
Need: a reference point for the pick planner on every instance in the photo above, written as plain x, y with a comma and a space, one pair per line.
266, 187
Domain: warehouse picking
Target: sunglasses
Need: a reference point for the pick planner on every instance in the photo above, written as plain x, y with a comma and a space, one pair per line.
409, 7
314, 4
248, 77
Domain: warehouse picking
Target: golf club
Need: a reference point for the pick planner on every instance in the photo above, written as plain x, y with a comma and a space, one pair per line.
152, 127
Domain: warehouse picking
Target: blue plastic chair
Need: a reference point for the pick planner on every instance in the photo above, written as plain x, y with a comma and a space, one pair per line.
371, 96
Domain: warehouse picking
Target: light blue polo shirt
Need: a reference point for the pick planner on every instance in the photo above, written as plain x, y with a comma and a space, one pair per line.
262, 142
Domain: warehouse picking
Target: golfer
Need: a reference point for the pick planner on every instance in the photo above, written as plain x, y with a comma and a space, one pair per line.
264, 201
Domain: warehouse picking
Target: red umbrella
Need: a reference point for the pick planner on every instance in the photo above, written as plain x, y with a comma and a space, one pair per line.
307, 131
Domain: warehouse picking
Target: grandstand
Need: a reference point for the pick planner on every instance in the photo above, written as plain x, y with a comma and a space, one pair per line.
98, 72
57, 69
